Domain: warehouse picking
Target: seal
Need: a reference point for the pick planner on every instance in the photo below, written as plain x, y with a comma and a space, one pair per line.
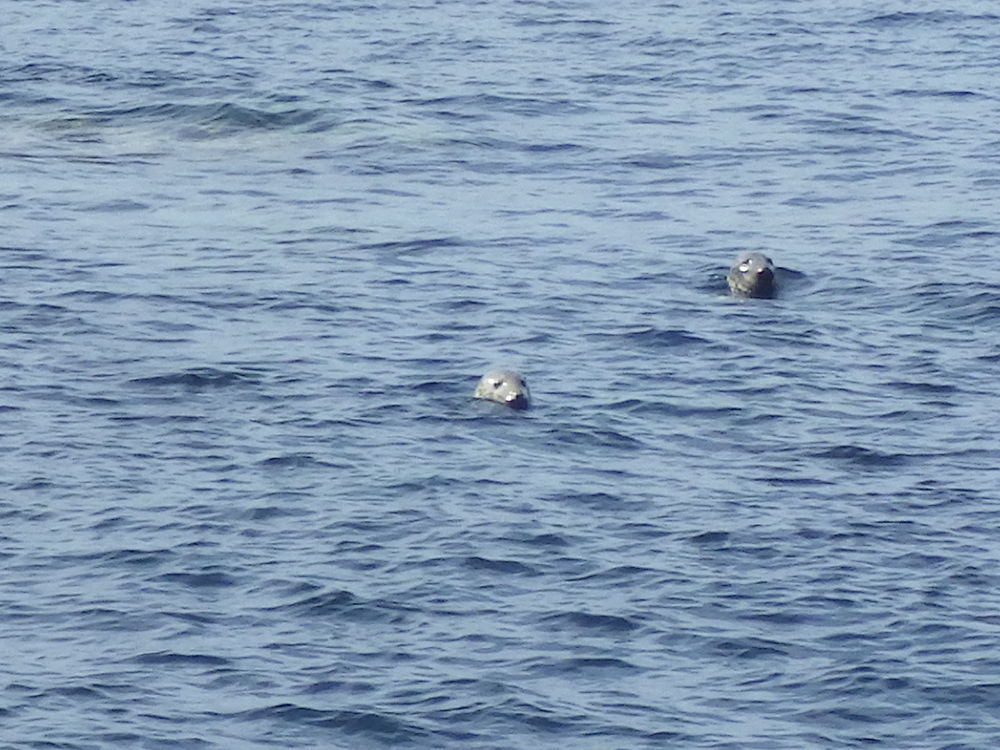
505, 387
752, 275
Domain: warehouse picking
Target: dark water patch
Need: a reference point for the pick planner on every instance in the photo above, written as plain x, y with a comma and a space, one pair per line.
903, 19
174, 659
544, 541
623, 574
655, 338
786, 617
862, 456
264, 513
503, 567
299, 461
206, 120
44, 71
285, 588
155, 419
710, 537
366, 726
434, 387
304, 301
799, 481
139, 558
592, 500
402, 249
750, 648
585, 667
76, 692
432, 482
116, 206
933, 389
339, 686
980, 694
661, 162
941, 235
591, 437
666, 409
935, 93
548, 148
212, 579
481, 107
920, 561
343, 604
191, 617
869, 129
200, 379
973, 303
585, 622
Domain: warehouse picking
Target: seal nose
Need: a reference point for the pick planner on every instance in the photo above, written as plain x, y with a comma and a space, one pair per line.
517, 401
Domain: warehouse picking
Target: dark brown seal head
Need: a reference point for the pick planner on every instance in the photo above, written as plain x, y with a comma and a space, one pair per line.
752, 275
505, 387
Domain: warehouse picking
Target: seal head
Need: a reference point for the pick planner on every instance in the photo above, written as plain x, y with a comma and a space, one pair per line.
752, 275
505, 387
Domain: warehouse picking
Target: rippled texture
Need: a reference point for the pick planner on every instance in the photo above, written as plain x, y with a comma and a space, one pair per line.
255, 257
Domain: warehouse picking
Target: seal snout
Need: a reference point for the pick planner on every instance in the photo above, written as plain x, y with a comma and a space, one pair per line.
517, 401
764, 286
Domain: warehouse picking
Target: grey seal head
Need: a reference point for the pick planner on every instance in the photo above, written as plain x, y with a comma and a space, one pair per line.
505, 387
752, 275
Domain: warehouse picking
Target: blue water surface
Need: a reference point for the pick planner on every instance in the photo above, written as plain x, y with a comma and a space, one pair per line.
254, 258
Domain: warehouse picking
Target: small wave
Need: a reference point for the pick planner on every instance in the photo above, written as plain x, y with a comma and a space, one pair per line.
926, 18
115, 206
588, 622
137, 557
861, 456
629, 573
406, 248
750, 648
658, 338
507, 567
212, 579
297, 461
480, 106
206, 120
584, 664
710, 537
597, 500
914, 387
171, 658
972, 303
539, 540
200, 378
386, 728
664, 409
596, 437
937, 93
343, 603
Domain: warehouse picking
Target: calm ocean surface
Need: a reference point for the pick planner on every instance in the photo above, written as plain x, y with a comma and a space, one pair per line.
255, 257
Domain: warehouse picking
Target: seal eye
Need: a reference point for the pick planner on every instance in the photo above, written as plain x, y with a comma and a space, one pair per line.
744, 266
497, 383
